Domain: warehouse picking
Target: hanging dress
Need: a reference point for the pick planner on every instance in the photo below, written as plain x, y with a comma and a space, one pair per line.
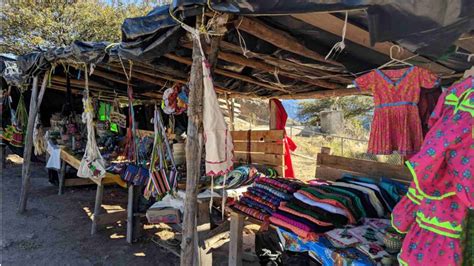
443, 187
396, 125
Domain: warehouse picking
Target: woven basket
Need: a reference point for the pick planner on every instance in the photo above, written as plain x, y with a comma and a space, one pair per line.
392, 242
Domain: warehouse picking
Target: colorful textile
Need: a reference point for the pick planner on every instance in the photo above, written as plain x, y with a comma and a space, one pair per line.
377, 192
313, 201
318, 213
337, 200
293, 226
396, 125
300, 222
318, 182
404, 213
283, 207
446, 158
395, 189
284, 187
256, 205
354, 198
272, 190
260, 200
372, 197
262, 193
434, 239
280, 119
323, 250
251, 211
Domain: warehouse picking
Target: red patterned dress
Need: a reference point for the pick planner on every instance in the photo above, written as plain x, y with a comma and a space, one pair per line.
396, 125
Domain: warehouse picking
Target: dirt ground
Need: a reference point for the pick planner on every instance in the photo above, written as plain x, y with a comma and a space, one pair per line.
55, 230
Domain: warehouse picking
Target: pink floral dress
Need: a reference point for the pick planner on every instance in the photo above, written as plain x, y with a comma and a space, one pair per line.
443, 186
396, 125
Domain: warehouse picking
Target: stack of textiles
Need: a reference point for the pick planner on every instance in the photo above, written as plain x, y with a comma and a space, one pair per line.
263, 198
323, 206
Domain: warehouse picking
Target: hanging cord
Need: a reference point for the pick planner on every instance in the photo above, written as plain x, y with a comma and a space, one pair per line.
242, 43
339, 46
132, 141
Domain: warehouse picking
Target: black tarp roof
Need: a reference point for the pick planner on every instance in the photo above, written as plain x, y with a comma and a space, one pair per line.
157, 45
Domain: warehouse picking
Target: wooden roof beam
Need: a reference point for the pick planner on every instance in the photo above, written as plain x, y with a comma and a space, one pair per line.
280, 39
229, 74
259, 65
285, 64
322, 94
334, 25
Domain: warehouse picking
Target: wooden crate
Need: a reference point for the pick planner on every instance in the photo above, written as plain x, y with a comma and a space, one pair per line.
263, 147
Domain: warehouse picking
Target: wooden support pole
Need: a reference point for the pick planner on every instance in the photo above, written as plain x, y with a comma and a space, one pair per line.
189, 249
236, 239
62, 176
98, 204
34, 107
130, 214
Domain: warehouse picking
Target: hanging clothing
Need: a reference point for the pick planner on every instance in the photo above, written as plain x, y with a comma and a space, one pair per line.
447, 152
433, 239
426, 105
281, 116
219, 146
396, 125
443, 187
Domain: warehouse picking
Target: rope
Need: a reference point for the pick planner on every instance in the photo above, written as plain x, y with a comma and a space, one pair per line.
242, 43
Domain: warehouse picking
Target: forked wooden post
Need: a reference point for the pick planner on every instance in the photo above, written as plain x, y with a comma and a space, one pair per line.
193, 157
35, 103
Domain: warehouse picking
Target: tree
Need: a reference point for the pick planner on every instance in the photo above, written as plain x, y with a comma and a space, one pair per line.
352, 106
28, 24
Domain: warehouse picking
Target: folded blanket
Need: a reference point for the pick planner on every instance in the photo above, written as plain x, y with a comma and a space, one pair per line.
280, 184
262, 193
327, 204
337, 219
283, 207
258, 206
260, 200
251, 211
307, 235
276, 192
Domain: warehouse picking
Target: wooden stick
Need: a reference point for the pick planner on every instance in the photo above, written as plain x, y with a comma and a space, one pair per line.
62, 175
34, 107
130, 215
236, 239
193, 157
97, 207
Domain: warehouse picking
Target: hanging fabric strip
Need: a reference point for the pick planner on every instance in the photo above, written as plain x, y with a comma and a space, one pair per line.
218, 140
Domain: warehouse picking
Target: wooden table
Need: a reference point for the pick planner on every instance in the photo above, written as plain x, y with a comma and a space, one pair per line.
109, 178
